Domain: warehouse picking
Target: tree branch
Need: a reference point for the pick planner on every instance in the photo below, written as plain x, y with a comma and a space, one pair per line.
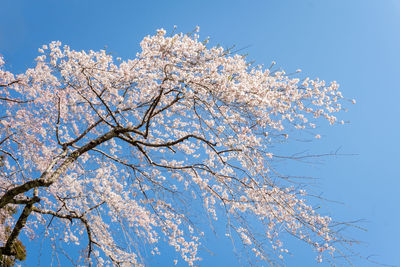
7, 249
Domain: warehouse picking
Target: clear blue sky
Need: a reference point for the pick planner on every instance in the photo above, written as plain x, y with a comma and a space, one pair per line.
356, 43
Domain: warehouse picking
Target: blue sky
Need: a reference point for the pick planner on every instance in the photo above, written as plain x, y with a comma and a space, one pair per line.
356, 43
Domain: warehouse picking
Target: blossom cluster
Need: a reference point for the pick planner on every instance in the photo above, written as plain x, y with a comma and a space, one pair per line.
123, 146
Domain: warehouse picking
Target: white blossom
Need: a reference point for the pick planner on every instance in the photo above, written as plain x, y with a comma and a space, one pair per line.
126, 149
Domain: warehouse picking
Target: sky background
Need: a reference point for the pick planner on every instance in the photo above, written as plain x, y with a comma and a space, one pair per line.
356, 43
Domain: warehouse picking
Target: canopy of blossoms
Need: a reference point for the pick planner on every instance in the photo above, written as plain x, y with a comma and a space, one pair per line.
112, 154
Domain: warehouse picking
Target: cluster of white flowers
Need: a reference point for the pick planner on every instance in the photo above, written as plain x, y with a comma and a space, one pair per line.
179, 123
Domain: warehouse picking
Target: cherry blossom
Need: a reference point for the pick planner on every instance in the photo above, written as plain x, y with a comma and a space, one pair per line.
111, 155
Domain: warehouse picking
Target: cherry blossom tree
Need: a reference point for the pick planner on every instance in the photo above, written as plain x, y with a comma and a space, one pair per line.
117, 156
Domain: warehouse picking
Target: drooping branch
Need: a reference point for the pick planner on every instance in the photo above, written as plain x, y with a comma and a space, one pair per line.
70, 217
